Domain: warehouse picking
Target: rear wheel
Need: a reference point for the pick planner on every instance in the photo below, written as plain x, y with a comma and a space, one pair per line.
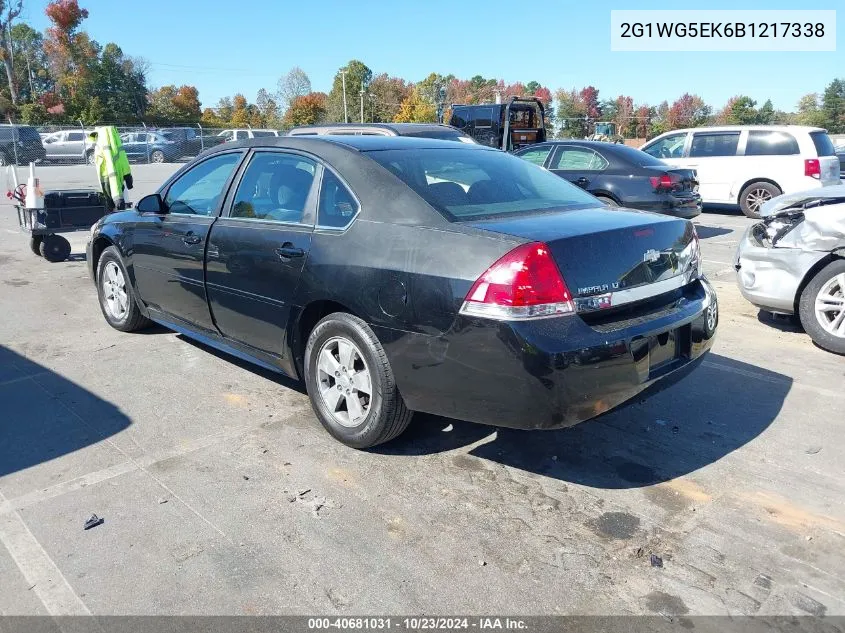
822, 307
754, 196
54, 248
89, 157
35, 244
157, 156
608, 201
350, 383
116, 299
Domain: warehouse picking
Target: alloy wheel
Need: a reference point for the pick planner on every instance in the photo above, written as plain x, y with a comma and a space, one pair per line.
830, 306
344, 381
114, 291
756, 198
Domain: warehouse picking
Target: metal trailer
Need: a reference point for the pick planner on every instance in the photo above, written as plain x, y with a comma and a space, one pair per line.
65, 211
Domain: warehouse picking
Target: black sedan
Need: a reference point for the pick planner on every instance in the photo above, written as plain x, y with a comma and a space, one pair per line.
395, 275
620, 176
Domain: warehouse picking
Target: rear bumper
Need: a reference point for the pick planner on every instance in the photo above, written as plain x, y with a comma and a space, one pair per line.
686, 207
550, 373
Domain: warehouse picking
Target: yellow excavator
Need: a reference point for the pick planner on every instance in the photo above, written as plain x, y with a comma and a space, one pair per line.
605, 131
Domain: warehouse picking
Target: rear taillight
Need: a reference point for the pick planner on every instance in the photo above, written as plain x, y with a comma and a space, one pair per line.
812, 168
524, 284
664, 181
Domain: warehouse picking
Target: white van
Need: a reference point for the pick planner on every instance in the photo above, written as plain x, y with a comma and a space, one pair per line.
750, 164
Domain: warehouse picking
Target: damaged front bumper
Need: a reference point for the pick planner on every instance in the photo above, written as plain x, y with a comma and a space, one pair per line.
776, 255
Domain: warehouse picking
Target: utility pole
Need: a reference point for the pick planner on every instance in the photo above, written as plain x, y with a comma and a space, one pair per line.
29, 73
362, 101
345, 111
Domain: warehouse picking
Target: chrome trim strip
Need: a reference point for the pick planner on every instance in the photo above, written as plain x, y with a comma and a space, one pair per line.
621, 297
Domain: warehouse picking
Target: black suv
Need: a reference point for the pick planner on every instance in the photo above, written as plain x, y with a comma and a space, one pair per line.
506, 126
20, 145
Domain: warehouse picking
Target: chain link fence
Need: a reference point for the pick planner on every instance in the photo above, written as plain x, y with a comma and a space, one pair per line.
69, 144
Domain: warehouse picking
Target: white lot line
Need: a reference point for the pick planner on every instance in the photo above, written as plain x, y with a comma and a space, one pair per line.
39, 570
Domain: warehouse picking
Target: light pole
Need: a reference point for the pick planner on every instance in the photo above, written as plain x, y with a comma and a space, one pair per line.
345, 111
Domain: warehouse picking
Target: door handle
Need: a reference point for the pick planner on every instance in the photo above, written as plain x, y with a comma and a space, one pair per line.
288, 250
191, 239
582, 182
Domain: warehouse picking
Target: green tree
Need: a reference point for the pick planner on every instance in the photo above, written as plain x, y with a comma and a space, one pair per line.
32, 77
809, 111
766, 113
267, 109
740, 110
358, 76
570, 114
9, 10
386, 96
119, 83
833, 106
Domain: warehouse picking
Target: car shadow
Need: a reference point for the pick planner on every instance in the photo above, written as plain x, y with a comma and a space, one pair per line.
782, 322
676, 432
723, 209
705, 232
46, 416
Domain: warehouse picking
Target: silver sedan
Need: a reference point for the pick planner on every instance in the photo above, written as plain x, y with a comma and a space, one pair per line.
793, 262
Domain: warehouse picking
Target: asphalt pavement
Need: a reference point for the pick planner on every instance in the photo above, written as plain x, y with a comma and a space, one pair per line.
222, 494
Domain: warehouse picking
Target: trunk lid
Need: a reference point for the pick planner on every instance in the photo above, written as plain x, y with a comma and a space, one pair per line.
600, 251
683, 180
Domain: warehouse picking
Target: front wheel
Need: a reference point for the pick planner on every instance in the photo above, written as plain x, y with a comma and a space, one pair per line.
350, 383
157, 156
822, 307
754, 196
54, 248
608, 201
116, 299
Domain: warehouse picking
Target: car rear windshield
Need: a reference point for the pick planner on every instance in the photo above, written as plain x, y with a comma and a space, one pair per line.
638, 157
824, 146
258, 133
465, 184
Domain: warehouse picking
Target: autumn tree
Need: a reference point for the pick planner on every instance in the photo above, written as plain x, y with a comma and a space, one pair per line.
387, 94
590, 98
170, 104
295, 83
415, 109
688, 111
739, 110
306, 110
571, 114
624, 116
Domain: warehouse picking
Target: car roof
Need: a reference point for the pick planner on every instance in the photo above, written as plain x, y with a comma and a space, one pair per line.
357, 143
739, 128
399, 128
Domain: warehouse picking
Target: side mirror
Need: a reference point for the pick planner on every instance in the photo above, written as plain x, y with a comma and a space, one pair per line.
151, 204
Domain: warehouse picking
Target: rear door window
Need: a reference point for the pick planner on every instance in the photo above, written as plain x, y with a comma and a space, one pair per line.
824, 146
537, 155
74, 136
766, 143
338, 206
483, 117
710, 144
274, 187
570, 158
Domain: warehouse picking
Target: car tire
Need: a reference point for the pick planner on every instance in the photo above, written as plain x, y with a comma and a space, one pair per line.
157, 156
35, 244
114, 292
54, 248
754, 195
4, 160
89, 157
336, 341
826, 327
608, 201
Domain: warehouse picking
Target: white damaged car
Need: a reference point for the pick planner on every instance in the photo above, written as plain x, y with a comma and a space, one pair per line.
793, 262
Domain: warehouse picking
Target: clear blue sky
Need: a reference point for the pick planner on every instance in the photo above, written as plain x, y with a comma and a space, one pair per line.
224, 47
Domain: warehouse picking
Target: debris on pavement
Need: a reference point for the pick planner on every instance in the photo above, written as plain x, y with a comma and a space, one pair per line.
94, 521
656, 561
246, 478
812, 450
162, 501
482, 563
639, 553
